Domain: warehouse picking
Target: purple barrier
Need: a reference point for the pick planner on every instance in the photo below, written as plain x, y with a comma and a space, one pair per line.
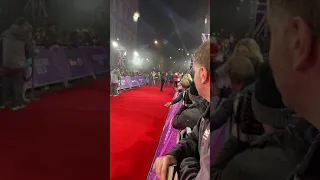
128, 81
57, 64
78, 65
141, 80
134, 81
98, 58
124, 84
49, 67
168, 139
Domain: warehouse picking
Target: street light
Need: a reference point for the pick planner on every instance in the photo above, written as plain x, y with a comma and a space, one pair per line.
170, 57
136, 16
188, 54
136, 54
117, 39
115, 44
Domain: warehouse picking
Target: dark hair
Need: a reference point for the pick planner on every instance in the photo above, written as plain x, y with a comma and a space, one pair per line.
266, 91
20, 21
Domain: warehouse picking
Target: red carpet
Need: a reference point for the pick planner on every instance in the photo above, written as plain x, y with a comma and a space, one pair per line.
137, 119
63, 136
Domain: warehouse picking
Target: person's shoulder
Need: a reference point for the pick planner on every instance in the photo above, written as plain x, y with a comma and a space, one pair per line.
255, 163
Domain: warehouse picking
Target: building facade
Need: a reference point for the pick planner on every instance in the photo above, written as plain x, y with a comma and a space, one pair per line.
122, 26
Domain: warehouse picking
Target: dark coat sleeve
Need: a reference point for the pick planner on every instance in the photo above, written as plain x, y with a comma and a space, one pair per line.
177, 99
222, 114
252, 164
189, 168
186, 117
187, 147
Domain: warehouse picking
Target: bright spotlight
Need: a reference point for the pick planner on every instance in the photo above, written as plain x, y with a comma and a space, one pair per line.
115, 44
136, 16
155, 42
188, 54
170, 57
117, 39
135, 53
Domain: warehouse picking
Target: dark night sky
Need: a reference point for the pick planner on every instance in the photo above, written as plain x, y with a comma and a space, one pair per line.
224, 15
177, 23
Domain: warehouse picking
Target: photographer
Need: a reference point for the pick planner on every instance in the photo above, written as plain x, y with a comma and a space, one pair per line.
260, 110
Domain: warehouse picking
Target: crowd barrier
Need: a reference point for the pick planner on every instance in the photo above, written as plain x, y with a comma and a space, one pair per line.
168, 138
60, 64
128, 82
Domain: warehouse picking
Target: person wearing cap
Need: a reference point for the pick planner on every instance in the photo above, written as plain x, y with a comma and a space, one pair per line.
268, 156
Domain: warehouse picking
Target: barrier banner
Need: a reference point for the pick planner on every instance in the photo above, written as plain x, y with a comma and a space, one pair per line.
47, 70
141, 80
168, 139
59, 64
134, 81
98, 58
124, 84
78, 65
128, 81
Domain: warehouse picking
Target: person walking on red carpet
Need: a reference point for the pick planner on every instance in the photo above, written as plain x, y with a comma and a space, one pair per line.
193, 152
163, 80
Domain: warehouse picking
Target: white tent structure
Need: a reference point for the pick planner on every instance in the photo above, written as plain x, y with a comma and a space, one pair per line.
36, 8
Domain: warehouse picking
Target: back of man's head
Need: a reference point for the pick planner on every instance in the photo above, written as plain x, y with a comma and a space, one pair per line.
202, 56
240, 70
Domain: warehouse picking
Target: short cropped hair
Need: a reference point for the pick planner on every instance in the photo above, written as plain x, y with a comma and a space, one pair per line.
306, 9
202, 56
185, 83
240, 70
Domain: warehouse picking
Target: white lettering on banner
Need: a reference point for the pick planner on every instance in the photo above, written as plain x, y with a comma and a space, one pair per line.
41, 65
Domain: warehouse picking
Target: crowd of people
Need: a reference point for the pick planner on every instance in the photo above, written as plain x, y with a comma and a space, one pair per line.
48, 36
264, 109
165, 79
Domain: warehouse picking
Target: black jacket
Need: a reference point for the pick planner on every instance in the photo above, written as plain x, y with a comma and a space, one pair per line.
187, 116
197, 147
272, 157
